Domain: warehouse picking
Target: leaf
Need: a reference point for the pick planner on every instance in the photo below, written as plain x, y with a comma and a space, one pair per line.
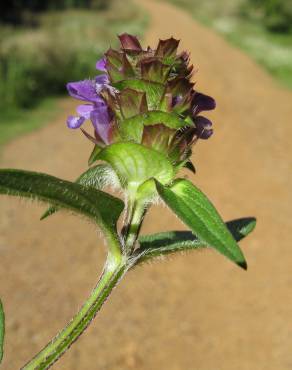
154, 91
197, 212
132, 128
161, 244
2, 330
135, 163
95, 204
97, 177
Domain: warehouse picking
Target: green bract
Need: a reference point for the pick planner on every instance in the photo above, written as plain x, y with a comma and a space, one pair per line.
135, 164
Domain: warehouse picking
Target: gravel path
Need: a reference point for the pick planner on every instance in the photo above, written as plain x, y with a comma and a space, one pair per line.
195, 312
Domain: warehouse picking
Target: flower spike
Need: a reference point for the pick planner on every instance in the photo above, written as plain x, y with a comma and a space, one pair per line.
145, 96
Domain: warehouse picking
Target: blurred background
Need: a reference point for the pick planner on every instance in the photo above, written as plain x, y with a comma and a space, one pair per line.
194, 312
45, 44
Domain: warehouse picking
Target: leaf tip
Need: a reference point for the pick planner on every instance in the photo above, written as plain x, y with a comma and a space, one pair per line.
251, 225
242, 264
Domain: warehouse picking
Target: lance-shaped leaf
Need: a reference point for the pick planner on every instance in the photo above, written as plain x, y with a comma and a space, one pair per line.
97, 205
132, 128
197, 212
161, 244
97, 177
135, 163
2, 330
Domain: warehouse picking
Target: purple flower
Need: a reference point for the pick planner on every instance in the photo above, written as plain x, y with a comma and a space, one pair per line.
75, 122
203, 127
101, 65
100, 119
96, 110
202, 102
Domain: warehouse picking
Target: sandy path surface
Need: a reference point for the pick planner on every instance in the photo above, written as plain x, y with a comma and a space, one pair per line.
195, 312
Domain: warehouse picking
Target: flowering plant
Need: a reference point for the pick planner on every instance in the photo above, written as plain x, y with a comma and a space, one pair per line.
146, 117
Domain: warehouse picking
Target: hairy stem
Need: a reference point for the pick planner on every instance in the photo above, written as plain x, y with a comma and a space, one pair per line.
138, 213
113, 271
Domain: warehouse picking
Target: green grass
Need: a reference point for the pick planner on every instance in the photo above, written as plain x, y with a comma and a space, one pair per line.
271, 50
36, 63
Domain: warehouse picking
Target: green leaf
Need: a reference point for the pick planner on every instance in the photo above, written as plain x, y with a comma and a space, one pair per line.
132, 128
97, 177
135, 163
97, 205
161, 244
154, 91
2, 330
197, 212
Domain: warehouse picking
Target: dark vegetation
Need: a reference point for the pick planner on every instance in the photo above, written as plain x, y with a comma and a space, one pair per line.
276, 15
23, 11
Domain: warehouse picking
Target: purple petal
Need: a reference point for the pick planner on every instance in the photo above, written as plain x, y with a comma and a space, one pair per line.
100, 82
101, 65
202, 102
203, 127
100, 119
84, 110
202, 122
83, 90
75, 122
102, 79
206, 134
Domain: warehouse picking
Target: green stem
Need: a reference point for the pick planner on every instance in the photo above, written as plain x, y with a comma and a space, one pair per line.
113, 271
138, 213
